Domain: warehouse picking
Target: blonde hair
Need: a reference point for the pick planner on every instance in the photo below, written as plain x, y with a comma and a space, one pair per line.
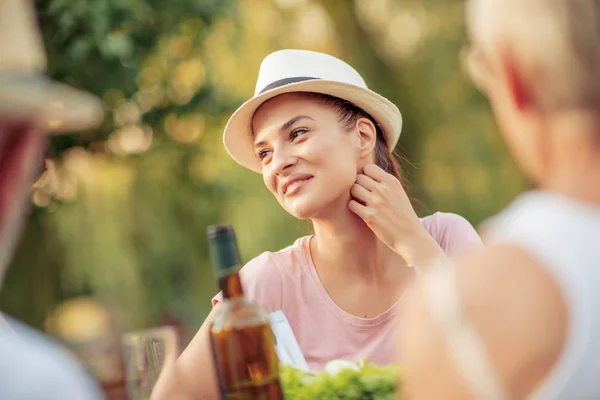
555, 45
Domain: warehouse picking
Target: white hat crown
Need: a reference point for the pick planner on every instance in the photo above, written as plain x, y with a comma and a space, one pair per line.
290, 66
25, 90
290, 71
21, 47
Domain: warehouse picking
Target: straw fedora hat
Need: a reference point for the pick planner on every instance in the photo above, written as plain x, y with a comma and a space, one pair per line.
24, 89
290, 70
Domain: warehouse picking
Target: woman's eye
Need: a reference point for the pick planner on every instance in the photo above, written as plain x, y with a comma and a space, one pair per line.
262, 154
297, 132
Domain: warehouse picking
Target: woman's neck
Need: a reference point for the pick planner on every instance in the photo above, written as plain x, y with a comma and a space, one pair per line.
344, 243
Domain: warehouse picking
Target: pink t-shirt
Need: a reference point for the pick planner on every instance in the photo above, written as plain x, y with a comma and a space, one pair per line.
287, 280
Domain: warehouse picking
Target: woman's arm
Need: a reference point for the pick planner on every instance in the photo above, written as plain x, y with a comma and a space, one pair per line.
192, 374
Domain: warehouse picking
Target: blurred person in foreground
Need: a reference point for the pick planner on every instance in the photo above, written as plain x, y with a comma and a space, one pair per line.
31, 365
521, 319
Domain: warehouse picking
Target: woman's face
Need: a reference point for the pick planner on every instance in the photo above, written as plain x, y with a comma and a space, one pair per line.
309, 162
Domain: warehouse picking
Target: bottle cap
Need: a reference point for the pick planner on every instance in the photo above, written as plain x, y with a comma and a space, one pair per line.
224, 251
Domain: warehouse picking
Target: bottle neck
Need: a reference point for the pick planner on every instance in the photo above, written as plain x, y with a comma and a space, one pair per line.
231, 286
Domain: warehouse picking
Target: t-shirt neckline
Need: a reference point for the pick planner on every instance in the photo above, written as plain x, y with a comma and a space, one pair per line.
331, 306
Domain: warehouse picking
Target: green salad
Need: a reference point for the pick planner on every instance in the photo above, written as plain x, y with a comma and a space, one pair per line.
341, 380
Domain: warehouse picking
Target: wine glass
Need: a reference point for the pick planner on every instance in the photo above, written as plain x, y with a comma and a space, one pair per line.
144, 353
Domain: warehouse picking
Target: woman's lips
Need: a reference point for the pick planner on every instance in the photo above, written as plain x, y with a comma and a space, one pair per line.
292, 188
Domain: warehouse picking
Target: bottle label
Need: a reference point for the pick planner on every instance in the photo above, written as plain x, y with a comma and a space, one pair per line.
246, 362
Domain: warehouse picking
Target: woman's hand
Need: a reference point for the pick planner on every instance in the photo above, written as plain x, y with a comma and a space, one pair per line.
380, 200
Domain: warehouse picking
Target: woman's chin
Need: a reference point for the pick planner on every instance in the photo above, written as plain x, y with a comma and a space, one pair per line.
302, 213
303, 208
309, 208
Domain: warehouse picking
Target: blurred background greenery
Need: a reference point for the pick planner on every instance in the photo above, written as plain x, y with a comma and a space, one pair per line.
120, 213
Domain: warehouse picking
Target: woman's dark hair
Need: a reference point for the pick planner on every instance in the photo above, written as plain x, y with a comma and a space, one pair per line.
348, 114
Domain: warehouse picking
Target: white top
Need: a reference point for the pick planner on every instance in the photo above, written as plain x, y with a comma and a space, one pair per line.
564, 235
32, 367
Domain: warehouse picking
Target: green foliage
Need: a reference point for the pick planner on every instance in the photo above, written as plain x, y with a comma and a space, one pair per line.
100, 45
369, 382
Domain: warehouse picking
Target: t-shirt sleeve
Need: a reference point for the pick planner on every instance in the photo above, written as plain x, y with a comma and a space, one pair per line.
454, 233
262, 282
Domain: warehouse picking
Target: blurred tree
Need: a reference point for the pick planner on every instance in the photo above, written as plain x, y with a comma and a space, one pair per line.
105, 46
131, 220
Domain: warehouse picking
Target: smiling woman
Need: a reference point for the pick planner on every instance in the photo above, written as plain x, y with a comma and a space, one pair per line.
323, 143
277, 125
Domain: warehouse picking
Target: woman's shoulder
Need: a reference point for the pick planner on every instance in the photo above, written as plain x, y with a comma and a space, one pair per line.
453, 232
265, 276
275, 261
444, 220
